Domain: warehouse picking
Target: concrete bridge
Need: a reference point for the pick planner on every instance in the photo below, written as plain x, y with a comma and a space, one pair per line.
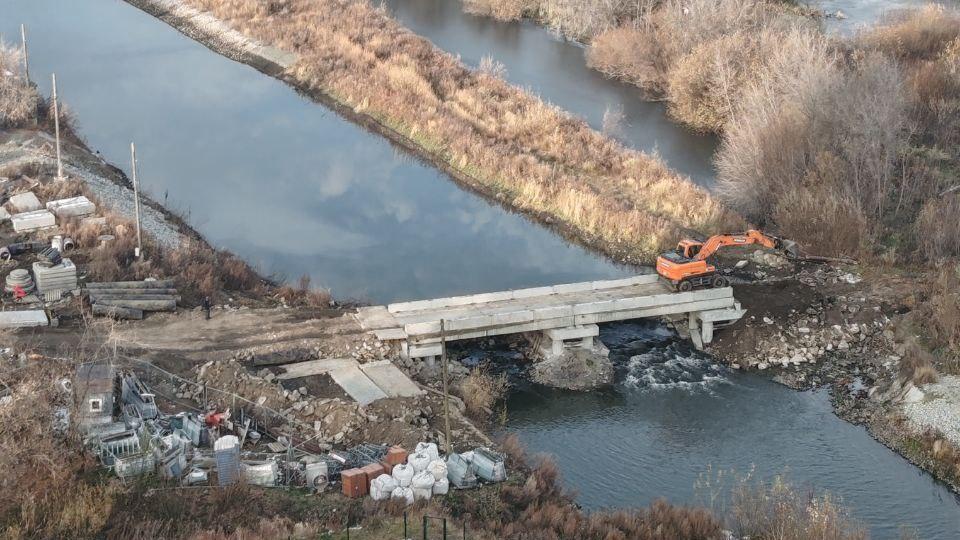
558, 317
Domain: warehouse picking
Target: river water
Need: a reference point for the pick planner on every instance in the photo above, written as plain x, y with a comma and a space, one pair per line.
290, 186
281, 181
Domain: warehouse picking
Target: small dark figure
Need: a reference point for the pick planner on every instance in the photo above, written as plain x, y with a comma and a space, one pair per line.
206, 306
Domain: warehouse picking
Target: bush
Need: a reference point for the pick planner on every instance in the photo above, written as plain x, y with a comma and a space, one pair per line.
481, 391
938, 228
18, 98
914, 34
823, 221
502, 10
630, 55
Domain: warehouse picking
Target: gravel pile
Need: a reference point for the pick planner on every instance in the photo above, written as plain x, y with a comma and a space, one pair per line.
940, 409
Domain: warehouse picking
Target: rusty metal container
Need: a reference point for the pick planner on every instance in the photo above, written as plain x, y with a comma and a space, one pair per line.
395, 456
354, 483
372, 471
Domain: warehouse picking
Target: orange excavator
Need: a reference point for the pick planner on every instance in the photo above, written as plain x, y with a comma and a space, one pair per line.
686, 267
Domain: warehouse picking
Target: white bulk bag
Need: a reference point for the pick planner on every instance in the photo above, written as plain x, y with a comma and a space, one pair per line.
438, 468
418, 461
404, 493
429, 449
403, 473
441, 487
422, 485
382, 486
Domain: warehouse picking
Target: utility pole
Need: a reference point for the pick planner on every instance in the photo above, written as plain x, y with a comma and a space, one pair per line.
23, 42
446, 393
136, 198
56, 126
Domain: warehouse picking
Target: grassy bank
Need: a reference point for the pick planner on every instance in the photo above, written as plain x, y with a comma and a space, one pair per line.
496, 138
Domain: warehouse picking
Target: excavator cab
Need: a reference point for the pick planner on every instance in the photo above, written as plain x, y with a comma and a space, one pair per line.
689, 249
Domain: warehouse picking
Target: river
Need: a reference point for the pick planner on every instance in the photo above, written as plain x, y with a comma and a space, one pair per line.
290, 186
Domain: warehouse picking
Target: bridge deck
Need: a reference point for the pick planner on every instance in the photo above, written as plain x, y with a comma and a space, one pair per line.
541, 308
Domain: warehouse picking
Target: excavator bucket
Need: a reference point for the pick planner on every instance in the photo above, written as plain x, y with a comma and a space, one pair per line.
790, 248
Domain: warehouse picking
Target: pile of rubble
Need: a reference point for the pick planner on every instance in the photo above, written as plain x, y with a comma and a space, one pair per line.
328, 421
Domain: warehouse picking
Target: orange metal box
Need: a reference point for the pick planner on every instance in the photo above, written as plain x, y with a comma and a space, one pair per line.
372, 471
354, 483
395, 456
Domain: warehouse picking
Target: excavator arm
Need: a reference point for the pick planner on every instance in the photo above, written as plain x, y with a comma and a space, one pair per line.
750, 237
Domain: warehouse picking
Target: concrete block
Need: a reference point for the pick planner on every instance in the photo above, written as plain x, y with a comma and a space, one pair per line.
532, 292
573, 287
552, 312
514, 317
23, 319
573, 332
390, 379
25, 202
72, 207
32, 221
356, 383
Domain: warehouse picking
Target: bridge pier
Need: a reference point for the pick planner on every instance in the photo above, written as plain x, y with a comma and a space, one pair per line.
554, 341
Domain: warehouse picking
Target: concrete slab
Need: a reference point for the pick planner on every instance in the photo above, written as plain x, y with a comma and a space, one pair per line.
25, 202
390, 379
315, 367
573, 332
356, 383
23, 319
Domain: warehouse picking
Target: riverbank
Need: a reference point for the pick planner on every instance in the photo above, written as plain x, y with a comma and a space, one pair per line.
490, 136
858, 333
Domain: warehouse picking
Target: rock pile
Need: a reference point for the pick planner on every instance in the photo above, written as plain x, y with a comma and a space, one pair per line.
332, 421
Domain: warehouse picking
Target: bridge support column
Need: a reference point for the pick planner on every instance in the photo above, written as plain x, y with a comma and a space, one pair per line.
553, 342
701, 329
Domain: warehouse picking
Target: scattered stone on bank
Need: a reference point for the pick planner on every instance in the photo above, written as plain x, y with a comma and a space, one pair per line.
937, 406
576, 369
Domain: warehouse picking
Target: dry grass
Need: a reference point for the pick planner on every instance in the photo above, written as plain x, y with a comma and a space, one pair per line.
481, 391
914, 34
41, 495
18, 98
944, 304
506, 142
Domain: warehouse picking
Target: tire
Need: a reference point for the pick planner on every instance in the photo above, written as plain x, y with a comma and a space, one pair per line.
719, 281
685, 286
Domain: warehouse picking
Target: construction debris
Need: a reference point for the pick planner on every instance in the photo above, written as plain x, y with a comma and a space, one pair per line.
49, 257
23, 319
72, 207
59, 277
19, 278
33, 221
129, 299
25, 202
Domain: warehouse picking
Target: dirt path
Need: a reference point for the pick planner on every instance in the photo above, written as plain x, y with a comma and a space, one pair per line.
258, 331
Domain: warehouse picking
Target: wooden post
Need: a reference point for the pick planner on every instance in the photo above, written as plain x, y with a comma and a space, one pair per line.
23, 43
56, 126
136, 197
446, 394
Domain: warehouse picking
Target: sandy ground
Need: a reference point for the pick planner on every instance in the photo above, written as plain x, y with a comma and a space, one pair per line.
230, 330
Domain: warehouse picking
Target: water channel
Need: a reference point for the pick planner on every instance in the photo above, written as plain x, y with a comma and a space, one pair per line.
290, 186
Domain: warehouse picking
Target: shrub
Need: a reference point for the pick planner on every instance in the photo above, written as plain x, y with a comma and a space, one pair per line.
824, 222
938, 228
630, 55
502, 10
944, 319
778, 510
914, 34
18, 98
481, 391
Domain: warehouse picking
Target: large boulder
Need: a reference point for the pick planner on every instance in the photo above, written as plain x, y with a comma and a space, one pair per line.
576, 369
